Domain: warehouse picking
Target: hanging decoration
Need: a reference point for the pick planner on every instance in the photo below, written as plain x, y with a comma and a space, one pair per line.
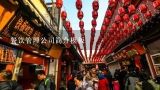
80, 14
79, 4
63, 15
126, 2
94, 23
121, 11
108, 13
156, 4
81, 24
136, 17
94, 14
59, 3
126, 17
148, 15
106, 21
131, 9
117, 19
67, 24
95, 5
143, 8
112, 3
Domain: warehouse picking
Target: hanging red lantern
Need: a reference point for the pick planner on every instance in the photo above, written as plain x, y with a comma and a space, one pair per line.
63, 15
93, 30
81, 24
94, 14
121, 11
143, 8
156, 4
112, 3
136, 17
131, 9
73, 35
140, 23
95, 5
114, 25
111, 31
106, 21
67, 24
82, 30
103, 29
126, 17
109, 13
80, 14
148, 15
129, 24
121, 25
70, 30
59, 3
94, 23
126, 2
79, 4
117, 18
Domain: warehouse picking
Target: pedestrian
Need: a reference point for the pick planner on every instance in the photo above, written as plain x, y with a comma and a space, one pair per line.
116, 84
103, 83
6, 83
45, 83
79, 82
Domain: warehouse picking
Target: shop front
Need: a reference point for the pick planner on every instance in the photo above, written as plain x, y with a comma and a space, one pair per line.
133, 57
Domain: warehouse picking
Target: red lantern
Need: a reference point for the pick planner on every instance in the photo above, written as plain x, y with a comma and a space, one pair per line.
79, 4
121, 11
114, 25
94, 14
95, 5
80, 14
129, 24
67, 24
143, 8
103, 29
156, 4
126, 2
140, 23
131, 9
73, 35
81, 24
82, 30
112, 3
94, 23
121, 25
109, 13
117, 18
106, 21
70, 30
148, 15
64, 15
93, 30
126, 17
136, 17
59, 3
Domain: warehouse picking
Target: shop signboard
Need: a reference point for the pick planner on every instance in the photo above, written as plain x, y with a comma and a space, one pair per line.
24, 32
7, 54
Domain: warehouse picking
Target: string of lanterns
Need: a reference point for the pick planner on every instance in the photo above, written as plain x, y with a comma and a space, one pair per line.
95, 6
81, 24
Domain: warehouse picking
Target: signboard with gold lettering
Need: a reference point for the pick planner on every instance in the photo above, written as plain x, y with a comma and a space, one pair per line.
23, 31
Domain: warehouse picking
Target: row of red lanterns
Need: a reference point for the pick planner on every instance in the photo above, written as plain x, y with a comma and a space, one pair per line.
81, 24
95, 6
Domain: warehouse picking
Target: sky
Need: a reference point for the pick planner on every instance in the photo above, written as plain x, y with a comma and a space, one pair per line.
70, 8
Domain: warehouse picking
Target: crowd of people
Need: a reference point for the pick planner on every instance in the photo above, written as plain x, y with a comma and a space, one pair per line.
44, 82
126, 78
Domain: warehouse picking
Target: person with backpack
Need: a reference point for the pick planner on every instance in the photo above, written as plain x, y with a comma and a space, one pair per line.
6, 83
45, 83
